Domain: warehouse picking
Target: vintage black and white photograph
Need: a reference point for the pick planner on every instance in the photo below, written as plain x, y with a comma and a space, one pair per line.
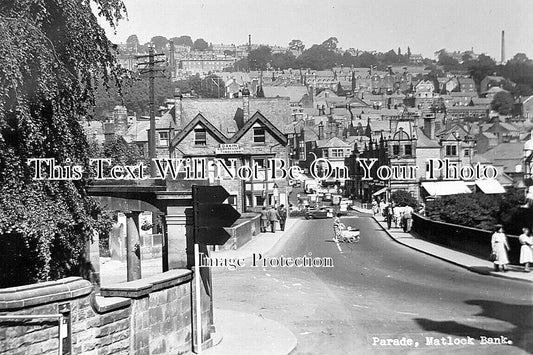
266, 177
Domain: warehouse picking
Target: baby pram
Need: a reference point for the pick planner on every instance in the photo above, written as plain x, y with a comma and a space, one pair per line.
347, 235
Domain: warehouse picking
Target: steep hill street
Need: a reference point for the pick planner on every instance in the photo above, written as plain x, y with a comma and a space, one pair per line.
377, 294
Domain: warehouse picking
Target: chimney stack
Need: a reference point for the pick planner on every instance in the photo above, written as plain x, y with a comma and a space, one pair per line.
321, 130
178, 104
246, 103
172, 61
503, 47
429, 125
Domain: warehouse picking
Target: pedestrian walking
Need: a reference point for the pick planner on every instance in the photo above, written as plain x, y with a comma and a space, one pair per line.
387, 213
526, 254
382, 206
264, 220
282, 212
499, 248
397, 214
407, 218
375, 207
273, 217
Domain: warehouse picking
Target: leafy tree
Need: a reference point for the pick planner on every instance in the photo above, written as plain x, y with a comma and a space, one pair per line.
480, 68
183, 41
200, 45
366, 60
408, 51
483, 211
502, 103
296, 45
403, 198
53, 49
448, 62
283, 61
212, 86
260, 58
318, 57
160, 43
133, 93
331, 43
132, 43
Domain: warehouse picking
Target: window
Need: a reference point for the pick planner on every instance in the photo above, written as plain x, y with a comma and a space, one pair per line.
467, 152
408, 149
259, 162
163, 138
200, 137
232, 200
259, 135
396, 149
451, 150
337, 153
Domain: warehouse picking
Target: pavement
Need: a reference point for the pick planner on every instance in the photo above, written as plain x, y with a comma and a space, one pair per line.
470, 262
236, 332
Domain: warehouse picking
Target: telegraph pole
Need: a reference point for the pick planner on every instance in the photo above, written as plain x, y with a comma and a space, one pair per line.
149, 67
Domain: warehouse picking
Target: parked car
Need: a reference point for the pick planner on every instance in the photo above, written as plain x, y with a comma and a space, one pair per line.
321, 212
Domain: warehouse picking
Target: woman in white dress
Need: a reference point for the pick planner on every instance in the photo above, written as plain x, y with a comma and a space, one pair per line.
500, 248
526, 254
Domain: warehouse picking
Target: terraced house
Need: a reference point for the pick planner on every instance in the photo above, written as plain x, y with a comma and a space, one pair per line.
240, 133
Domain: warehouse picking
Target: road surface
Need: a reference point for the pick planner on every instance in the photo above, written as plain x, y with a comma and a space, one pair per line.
380, 297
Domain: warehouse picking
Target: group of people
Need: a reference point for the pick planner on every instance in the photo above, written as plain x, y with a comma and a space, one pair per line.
271, 215
500, 247
401, 215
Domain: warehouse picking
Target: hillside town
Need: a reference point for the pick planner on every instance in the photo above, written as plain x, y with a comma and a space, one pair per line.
401, 114
212, 177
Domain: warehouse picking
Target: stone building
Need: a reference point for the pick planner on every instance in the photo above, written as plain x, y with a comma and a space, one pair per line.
237, 134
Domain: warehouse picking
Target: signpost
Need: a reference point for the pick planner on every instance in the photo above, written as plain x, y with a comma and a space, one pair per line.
210, 216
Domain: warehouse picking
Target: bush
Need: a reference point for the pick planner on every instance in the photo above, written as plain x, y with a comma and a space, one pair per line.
404, 198
482, 211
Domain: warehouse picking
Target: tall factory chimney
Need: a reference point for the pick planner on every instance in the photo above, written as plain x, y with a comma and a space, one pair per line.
249, 43
503, 47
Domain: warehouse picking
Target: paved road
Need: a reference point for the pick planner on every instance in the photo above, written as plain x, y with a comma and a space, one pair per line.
379, 290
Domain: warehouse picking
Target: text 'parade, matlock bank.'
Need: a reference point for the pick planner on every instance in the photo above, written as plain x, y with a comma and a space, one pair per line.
228, 169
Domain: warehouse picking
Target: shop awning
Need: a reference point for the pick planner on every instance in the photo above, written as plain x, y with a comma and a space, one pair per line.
380, 191
444, 188
490, 186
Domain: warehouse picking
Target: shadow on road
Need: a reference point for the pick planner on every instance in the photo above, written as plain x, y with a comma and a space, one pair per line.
521, 316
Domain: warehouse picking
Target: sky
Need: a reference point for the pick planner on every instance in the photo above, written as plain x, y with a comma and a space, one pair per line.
425, 26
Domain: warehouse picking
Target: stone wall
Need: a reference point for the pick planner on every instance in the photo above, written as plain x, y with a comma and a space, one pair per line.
473, 241
147, 316
242, 231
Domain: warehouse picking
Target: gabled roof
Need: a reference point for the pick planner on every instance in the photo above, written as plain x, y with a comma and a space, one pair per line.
333, 142
198, 120
506, 154
489, 135
455, 132
423, 141
138, 131
221, 112
259, 118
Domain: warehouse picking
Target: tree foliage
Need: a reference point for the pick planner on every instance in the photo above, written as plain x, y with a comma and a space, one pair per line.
502, 103
403, 198
482, 211
50, 51
182, 41
200, 45
160, 43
